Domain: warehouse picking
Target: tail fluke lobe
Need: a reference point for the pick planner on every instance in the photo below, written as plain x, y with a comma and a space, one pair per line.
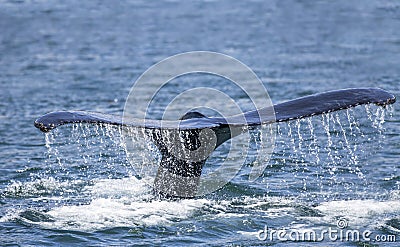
331, 101
52, 120
315, 104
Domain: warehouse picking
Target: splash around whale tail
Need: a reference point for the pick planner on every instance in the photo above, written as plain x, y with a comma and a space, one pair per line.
179, 177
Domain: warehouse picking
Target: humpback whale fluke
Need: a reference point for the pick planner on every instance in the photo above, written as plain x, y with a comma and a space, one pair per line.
193, 123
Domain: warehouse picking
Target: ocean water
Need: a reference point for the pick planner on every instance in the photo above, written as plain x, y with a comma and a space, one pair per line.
77, 186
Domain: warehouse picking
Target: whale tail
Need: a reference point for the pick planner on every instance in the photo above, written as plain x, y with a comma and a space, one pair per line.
182, 159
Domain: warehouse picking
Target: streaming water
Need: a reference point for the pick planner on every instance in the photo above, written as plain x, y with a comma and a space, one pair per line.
328, 155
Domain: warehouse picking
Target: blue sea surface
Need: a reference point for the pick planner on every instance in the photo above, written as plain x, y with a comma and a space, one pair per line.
77, 186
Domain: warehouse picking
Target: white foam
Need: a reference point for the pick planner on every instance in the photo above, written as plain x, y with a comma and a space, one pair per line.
105, 212
39, 186
370, 214
252, 235
117, 188
128, 202
358, 212
244, 207
120, 203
